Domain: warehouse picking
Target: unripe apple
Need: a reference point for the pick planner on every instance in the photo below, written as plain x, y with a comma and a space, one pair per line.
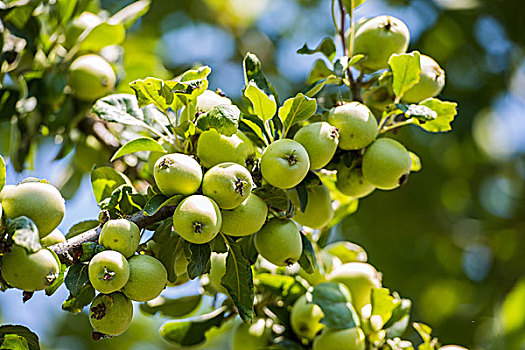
91, 77
147, 278
53, 238
210, 99
356, 123
217, 271
5, 189
378, 38
214, 148
360, 278
120, 235
228, 184
279, 242
386, 164
197, 219
320, 141
39, 201
253, 336
431, 81
337, 339
285, 163
29, 271
246, 219
111, 313
318, 211
108, 271
177, 173
351, 182
305, 318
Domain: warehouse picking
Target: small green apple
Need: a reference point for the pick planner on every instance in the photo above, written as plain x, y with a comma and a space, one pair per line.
177, 173
351, 182
53, 238
285, 163
4, 191
29, 271
318, 211
197, 219
386, 164
147, 278
228, 184
120, 235
337, 339
91, 77
279, 242
356, 123
320, 140
431, 81
108, 271
305, 318
214, 148
246, 219
111, 313
39, 201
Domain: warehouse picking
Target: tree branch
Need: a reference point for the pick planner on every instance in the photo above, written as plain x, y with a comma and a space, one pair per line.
70, 251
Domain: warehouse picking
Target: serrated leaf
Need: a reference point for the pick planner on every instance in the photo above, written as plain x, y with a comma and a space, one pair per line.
173, 308
446, 112
319, 71
295, 110
307, 260
405, 70
2, 173
154, 91
238, 281
264, 106
200, 256
119, 108
253, 74
326, 47
104, 34
131, 13
141, 144
415, 162
105, 180
22, 331
335, 301
81, 227
398, 322
24, 233
223, 118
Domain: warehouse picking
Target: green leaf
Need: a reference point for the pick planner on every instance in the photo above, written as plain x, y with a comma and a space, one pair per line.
256, 126
406, 70
307, 260
330, 80
223, 118
247, 245
131, 13
415, 162
295, 110
24, 233
154, 91
264, 106
159, 201
348, 4
76, 278
287, 287
326, 47
104, 34
191, 331
398, 322
173, 308
141, 144
253, 74
81, 227
22, 331
198, 263
170, 245
355, 59
446, 112
2, 173
105, 180
75, 304
335, 301
319, 72
275, 197
13, 342
383, 304
238, 281
89, 250
119, 108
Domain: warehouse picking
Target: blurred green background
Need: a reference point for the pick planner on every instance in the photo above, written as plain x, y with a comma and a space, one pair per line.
452, 239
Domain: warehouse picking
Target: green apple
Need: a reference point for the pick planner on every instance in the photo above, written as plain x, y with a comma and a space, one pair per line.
197, 219
318, 211
285, 163
53, 238
305, 318
91, 77
320, 140
147, 278
386, 164
217, 271
351, 182
279, 242
111, 313
214, 148
360, 278
337, 339
253, 336
108, 271
177, 173
378, 38
228, 184
121, 235
210, 99
356, 123
431, 82
246, 219
154, 156
39, 201
29, 271
86, 20
4, 190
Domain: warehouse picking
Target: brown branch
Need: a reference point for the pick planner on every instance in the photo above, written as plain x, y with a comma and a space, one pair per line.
69, 251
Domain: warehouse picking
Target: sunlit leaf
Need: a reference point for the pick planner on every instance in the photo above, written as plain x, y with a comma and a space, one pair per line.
326, 47
264, 106
141, 144
406, 70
